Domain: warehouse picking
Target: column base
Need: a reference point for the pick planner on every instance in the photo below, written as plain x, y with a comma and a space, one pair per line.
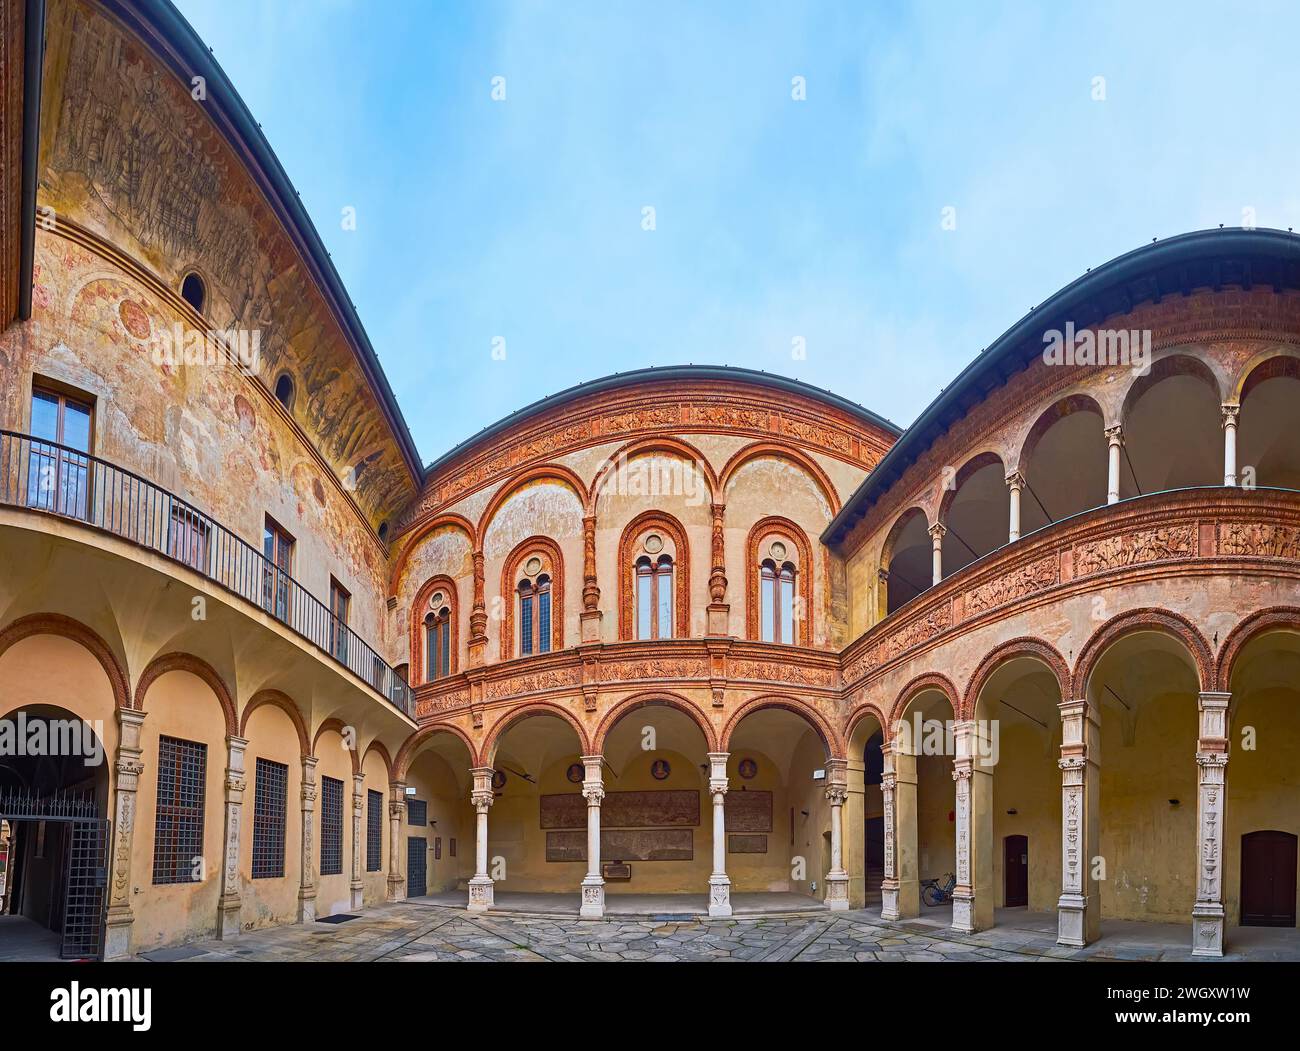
396, 888
963, 912
358, 895
117, 932
718, 615
1073, 921
593, 898
481, 897
229, 926
307, 906
837, 891
590, 621
889, 900
1207, 929
719, 897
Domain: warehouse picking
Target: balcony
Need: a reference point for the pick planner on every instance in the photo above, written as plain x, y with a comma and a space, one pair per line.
54, 479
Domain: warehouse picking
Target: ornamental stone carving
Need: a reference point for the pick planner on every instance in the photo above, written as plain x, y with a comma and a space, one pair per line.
1127, 549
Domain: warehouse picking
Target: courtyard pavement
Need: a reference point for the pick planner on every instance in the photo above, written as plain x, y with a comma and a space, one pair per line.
418, 932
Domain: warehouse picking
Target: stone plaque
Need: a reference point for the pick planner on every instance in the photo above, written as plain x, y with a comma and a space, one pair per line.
665, 809
633, 844
749, 811
747, 844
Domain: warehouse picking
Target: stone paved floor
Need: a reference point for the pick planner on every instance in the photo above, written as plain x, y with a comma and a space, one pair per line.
413, 932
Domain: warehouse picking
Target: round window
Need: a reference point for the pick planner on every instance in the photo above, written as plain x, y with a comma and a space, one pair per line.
778, 550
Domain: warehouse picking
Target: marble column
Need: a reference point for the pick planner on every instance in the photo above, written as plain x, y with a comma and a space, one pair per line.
972, 905
1114, 443
119, 922
855, 832
593, 884
719, 883
1208, 916
229, 904
837, 791
482, 796
900, 891
936, 551
1015, 483
396, 848
1230, 443
1079, 908
307, 886
358, 842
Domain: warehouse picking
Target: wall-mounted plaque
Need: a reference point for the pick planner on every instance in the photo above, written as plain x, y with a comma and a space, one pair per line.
749, 811
437, 848
631, 844
747, 843
660, 769
747, 768
575, 773
646, 809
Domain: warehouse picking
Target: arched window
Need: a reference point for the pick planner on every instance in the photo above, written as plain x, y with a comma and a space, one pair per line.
535, 615
193, 292
776, 602
654, 597
437, 642
434, 638
284, 390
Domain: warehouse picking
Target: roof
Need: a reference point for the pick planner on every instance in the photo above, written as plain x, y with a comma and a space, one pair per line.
1211, 259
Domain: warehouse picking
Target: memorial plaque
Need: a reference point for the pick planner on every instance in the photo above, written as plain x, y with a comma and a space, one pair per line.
747, 844
748, 811
668, 808
633, 844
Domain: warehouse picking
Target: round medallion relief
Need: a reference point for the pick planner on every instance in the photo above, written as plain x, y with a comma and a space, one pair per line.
777, 549
533, 566
438, 600
134, 318
654, 543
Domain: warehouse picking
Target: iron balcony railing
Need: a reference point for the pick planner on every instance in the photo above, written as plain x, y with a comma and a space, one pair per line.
46, 476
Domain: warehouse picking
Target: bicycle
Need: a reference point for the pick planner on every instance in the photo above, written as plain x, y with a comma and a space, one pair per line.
937, 891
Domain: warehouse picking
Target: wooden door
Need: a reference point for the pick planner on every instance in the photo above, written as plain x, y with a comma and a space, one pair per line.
417, 848
1015, 870
1268, 869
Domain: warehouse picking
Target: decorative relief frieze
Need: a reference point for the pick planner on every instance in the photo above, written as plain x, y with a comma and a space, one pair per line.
797, 674
1128, 549
1019, 582
655, 668
552, 679
1264, 539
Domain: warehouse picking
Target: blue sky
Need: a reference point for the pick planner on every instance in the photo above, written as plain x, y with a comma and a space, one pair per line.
775, 219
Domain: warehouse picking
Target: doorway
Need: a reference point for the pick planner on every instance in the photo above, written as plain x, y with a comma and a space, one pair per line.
1268, 870
1015, 871
417, 854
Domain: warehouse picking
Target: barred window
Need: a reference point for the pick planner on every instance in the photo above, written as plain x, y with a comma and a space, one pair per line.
331, 826
178, 828
374, 830
417, 812
270, 797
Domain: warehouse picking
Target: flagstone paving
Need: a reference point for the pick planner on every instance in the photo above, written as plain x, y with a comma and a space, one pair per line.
413, 932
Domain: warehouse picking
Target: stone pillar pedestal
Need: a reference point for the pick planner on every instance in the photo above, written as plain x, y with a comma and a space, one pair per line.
307, 886
972, 906
120, 920
593, 884
837, 879
481, 887
229, 903
901, 895
396, 818
1208, 916
357, 886
719, 883
855, 832
1079, 908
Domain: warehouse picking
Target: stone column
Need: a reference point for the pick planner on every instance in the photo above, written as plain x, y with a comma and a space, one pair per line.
591, 616
837, 791
972, 905
229, 903
900, 896
1230, 444
1015, 483
396, 848
593, 884
936, 543
855, 832
1079, 908
482, 796
1208, 917
478, 617
719, 884
358, 843
719, 609
120, 919
1114, 442
307, 887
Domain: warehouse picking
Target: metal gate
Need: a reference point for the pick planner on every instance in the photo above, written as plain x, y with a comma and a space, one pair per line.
87, 883
417, 855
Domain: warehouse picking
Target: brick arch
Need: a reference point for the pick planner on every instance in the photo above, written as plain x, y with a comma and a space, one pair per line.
806, 570
378, 746
401, 764
419, 659
974, 463
1249, 629
864, 711
338, 727
1137, 620
830, 738
187, 662
665, 523
646, 447
1275, 361
653, 698
487, 754
553, 472
1176, 363
1024, 646
931, 680
1049, 416
58, 624
441, 521
773, 450
281, 701
510, 570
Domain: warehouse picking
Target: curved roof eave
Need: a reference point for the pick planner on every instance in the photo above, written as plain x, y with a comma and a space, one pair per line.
1201, 259
659, 373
